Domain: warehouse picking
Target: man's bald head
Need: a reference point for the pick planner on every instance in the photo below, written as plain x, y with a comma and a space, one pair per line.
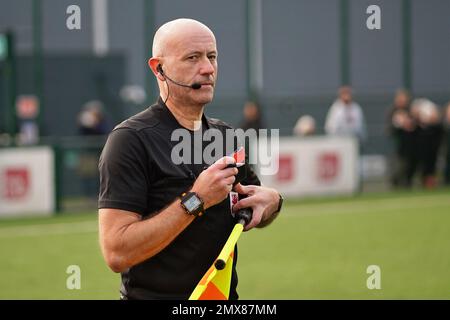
169, 33
185, 53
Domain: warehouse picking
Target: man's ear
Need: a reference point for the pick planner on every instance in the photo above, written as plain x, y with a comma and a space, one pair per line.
153, 64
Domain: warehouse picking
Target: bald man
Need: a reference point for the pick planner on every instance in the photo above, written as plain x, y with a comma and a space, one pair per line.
161, 223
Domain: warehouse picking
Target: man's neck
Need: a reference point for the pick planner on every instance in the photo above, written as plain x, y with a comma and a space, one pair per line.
189, 117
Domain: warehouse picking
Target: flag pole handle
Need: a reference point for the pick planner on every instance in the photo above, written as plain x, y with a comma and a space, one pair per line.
244, 216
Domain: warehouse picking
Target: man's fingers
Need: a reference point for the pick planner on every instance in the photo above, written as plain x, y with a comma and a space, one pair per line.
230, 180
243, 203
239, 188
230, 172
223, 162
256, 219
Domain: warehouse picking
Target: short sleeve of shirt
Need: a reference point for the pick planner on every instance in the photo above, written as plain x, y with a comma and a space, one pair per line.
124, 172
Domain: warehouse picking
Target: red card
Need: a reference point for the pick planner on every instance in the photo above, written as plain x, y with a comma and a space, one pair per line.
239, 156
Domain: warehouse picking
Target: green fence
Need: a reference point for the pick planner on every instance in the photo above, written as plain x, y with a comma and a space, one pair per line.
76, 170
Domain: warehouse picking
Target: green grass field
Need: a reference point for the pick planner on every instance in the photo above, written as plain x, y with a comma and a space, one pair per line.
317, 249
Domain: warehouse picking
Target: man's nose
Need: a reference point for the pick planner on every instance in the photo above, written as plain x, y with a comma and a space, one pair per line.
207, 67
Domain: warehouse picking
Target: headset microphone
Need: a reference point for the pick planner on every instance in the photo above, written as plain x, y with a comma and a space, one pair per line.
194, 86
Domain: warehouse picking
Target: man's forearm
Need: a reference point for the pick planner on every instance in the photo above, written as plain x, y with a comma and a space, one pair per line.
140, 240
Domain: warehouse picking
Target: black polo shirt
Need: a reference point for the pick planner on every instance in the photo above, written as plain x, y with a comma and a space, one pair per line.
138, 175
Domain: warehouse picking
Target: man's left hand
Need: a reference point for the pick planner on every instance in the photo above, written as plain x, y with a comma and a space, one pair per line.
264, 202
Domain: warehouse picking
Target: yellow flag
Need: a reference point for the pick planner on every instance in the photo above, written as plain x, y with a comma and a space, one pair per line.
215, 284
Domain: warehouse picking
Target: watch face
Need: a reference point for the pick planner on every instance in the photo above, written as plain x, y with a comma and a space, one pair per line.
192, 203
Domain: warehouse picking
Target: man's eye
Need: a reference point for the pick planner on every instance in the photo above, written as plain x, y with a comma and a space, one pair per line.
212, 57
192, 57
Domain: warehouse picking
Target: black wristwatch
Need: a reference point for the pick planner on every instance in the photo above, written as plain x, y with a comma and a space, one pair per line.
192, 204
280, 203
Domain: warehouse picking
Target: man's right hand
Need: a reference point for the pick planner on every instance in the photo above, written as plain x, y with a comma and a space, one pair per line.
215, 183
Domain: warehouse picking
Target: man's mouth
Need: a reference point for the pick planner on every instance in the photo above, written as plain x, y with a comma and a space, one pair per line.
206, 82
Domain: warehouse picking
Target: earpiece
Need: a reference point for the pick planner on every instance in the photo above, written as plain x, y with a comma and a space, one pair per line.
159, 69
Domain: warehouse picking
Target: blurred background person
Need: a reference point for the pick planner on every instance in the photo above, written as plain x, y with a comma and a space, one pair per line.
92, 120
305, 126
447, 143
91, 123
252, 117
403, 129
430, 133
345, 117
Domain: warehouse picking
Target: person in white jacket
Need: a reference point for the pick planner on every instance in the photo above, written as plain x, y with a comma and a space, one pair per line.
345, 117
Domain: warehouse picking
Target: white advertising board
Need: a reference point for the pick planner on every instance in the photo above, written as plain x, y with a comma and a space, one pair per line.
310, 166
27, 181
